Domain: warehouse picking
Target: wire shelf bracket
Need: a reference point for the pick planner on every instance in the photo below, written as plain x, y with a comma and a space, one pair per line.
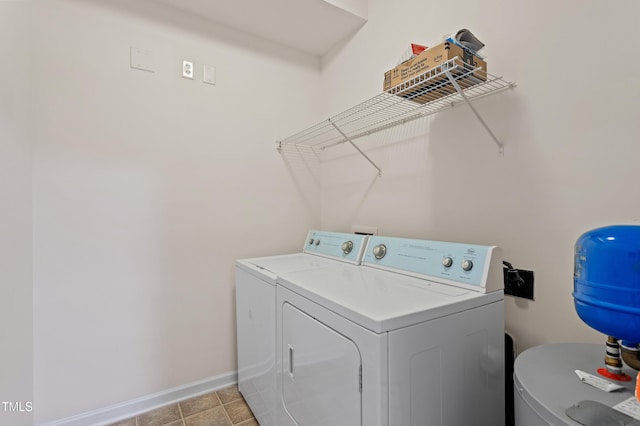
346, 138
476, 113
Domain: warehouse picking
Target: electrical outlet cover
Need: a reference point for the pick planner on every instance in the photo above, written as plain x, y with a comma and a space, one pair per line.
187, 69
524, 290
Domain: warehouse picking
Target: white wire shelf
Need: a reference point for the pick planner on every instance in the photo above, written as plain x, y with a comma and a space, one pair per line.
438, 89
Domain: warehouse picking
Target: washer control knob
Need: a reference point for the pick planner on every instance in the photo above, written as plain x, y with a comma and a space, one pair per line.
447, 261
317, 242
347, 246
467, 265
379, 251
311, 241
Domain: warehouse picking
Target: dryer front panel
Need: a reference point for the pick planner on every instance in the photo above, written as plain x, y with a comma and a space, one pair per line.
449, 371
321, 372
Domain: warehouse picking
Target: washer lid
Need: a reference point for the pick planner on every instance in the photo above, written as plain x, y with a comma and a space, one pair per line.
382, 300
320, 248
285, 263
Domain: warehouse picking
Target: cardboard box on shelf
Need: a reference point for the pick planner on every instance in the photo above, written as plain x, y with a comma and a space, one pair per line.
428, 60
412, 51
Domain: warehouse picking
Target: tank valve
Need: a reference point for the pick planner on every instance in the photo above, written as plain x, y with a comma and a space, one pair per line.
613, 363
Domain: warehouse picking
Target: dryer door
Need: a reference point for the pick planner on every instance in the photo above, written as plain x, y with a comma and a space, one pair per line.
321, 372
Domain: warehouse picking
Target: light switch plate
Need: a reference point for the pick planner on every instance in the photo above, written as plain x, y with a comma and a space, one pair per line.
142, 59
209, 74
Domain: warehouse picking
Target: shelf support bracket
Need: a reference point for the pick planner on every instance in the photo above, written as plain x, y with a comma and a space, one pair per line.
477, 114
346, 138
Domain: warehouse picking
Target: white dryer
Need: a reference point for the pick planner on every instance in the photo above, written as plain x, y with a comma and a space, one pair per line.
414, 336
256, 311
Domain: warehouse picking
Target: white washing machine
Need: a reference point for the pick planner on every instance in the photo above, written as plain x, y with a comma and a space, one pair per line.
414, 336
256, 311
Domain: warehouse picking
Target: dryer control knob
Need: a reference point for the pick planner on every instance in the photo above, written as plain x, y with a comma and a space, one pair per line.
467, 265
347, 246
447, 261
311, 241
379, 251
317, 242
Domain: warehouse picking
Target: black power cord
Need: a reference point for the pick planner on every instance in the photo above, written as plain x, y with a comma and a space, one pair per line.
513, 276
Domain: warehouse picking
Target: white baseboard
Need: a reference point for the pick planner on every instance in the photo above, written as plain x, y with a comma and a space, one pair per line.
131, 408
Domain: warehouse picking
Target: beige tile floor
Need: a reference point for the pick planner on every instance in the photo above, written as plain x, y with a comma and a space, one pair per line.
225, 407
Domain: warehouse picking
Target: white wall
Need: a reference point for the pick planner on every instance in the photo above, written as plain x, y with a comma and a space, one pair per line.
569, 128
16, 366
146, 188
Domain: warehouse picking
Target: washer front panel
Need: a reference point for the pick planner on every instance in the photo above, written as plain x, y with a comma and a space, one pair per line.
256, 322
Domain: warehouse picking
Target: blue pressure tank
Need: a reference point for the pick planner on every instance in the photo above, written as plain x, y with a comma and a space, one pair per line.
606, 281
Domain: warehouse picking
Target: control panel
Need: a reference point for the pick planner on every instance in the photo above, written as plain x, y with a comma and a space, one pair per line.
337, 245
467, 265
